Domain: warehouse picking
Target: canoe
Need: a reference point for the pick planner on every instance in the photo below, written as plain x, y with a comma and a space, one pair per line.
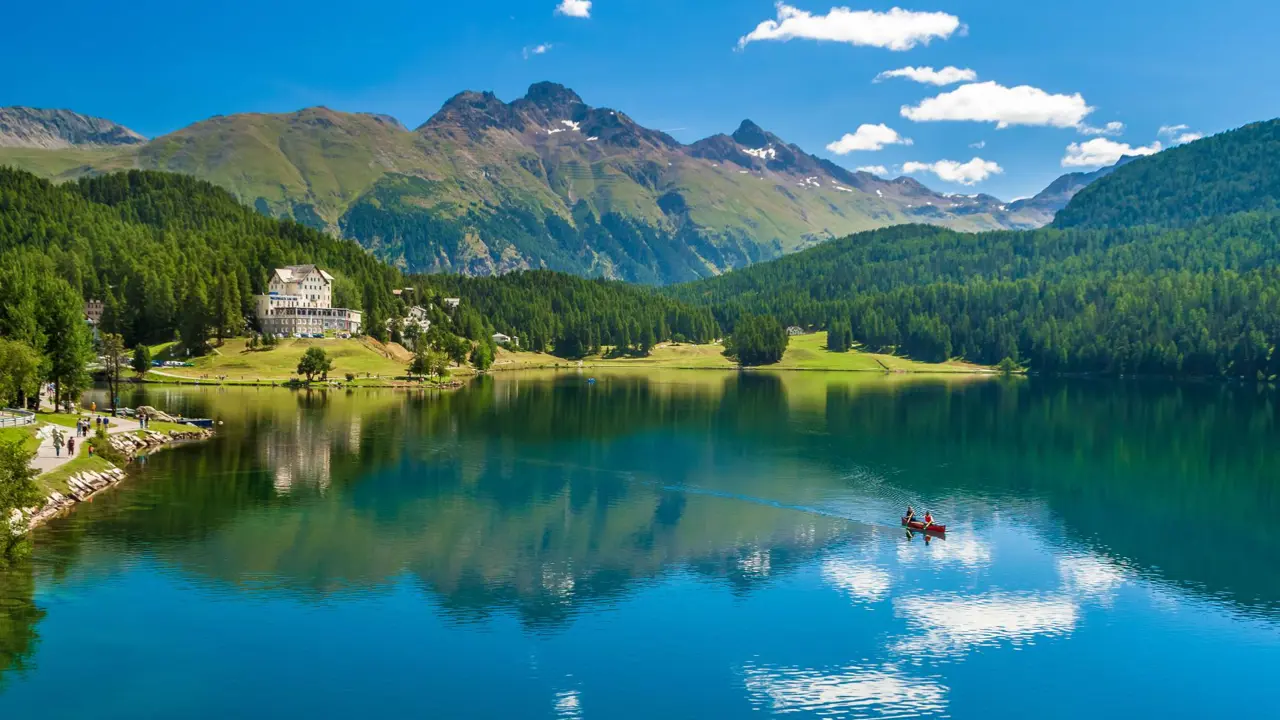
917, 525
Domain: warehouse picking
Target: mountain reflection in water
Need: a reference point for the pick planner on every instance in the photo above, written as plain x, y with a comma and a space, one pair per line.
563, 505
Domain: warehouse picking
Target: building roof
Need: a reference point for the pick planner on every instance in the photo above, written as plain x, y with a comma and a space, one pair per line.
287, 273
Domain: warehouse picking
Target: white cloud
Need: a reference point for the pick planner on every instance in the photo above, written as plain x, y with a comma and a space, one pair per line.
1114, 127
1004, 106
978, 145
868, 137
574, 8
880, 170
1099, 152
540, 49
946, 76
896, 29
969, 173
1179, 134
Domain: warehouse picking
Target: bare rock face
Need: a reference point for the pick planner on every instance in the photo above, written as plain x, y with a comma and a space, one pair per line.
59, 129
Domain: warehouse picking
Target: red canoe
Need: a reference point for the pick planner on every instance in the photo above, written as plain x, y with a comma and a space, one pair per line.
917, 525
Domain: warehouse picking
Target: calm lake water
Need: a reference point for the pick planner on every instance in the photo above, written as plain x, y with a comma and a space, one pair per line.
680, 545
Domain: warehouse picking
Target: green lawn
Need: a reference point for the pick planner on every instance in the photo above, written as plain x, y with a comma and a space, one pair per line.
57, 479
809, 352
63, 419
804, 352
25, 433
234, 360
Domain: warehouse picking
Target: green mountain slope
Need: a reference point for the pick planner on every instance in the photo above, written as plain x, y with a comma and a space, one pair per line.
1236, 171
545, 181
1172, 295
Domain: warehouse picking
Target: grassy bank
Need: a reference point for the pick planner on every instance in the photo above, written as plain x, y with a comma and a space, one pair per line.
374, 363
56, 479
804, 352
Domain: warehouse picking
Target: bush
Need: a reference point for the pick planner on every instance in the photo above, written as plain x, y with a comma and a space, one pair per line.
351, 377
102, 448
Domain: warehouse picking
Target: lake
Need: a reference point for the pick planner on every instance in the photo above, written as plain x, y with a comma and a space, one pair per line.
676, 544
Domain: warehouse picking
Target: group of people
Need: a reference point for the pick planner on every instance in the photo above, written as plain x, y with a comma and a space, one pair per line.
85, 426
58, 443
911, 517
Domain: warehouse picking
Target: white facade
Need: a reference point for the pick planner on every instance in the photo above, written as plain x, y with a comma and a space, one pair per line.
298, 301
309, 283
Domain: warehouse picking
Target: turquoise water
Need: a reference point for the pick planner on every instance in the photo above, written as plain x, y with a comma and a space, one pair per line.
680, 545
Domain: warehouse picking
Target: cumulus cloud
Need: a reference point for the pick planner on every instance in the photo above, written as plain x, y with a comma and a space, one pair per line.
1112, 128
968, 173
880, 170
574, 8
868, 137
1100, 152
1004, 106
541, 49
1178, 134
896, 29
946, 76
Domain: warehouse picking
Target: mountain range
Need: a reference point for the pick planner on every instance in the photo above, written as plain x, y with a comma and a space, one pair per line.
485, 186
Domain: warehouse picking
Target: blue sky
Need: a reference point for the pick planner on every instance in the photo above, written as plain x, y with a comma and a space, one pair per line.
681, 66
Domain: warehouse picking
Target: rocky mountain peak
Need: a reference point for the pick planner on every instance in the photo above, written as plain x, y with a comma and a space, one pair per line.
475, 112
57, 129
554, 99
752, 135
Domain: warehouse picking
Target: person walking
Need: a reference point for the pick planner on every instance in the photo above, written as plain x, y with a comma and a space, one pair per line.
57, 443
71, 447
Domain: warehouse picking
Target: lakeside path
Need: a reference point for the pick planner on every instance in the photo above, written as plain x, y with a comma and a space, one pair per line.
47, 460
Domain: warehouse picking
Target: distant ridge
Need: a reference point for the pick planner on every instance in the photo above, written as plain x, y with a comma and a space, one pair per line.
547, 180
25, 127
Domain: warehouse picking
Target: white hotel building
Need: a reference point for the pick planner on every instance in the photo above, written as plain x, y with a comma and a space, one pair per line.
299, 299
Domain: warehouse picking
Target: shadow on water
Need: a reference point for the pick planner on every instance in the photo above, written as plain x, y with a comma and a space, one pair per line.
543, 495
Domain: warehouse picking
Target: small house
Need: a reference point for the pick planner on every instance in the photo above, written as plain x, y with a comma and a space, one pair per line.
795, 330
500, 339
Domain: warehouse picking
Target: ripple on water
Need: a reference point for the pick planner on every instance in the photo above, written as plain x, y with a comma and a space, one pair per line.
882, 691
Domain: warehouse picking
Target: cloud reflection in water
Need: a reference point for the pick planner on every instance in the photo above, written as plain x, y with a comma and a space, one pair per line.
853, 692
859, 581
956, 624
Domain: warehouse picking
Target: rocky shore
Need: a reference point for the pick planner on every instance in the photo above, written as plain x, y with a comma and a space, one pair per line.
84, 485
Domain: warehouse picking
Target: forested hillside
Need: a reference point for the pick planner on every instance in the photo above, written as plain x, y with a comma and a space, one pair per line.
1203, 300
172, 256
574, 316
167, 254
1236, 171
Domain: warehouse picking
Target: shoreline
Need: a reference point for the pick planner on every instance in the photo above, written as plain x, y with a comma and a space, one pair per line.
84, 485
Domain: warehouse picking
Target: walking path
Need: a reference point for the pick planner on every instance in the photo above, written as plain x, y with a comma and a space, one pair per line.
47, 459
